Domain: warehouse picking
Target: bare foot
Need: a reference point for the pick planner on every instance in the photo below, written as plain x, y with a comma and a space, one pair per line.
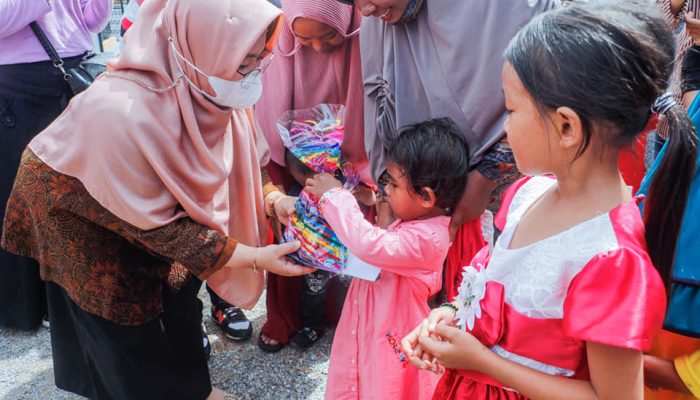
269, 341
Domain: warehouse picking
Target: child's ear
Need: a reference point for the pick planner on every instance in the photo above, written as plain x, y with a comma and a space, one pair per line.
428, 198
569, 126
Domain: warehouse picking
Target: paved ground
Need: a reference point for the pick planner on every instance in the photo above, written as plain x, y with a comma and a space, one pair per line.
240, 369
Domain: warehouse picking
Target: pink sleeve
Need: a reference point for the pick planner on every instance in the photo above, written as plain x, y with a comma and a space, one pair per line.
481, 258
96, 13
17, 14
618, 299
402, 251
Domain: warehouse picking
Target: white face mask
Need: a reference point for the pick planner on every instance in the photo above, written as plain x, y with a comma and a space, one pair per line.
233, 94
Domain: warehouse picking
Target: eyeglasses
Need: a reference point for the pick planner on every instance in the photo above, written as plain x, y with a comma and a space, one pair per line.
261, 69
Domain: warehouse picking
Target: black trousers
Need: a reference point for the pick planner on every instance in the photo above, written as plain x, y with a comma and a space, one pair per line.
161, 359
313, 297
31, 96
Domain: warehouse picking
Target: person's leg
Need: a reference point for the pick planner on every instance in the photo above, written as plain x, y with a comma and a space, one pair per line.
337, 291
282, 292
313, 304
283, 315
28, 104
162, 358
182, 320
22, 292
71, 368
313, 298
230, 318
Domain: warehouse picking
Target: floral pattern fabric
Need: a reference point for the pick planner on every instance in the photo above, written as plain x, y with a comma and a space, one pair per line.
498, 165
107, 266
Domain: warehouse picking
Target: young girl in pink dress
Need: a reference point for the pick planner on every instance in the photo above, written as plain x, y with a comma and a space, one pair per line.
428, 167
569, 297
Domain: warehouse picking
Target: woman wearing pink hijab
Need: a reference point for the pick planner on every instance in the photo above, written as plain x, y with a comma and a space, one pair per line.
317, 60
146, 185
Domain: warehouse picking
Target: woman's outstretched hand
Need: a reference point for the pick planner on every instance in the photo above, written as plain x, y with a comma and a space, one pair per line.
270, 258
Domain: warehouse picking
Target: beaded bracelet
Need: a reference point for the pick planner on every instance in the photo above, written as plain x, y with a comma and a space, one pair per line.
450, 306
271, 201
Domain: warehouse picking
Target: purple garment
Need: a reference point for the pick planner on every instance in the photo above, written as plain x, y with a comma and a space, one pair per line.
67, 23
445, 63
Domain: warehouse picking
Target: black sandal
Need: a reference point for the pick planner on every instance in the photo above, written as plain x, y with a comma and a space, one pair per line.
268, 348
306, 337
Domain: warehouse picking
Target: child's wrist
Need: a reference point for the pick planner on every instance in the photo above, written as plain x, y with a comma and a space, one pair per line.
450, 306
323, 200
487, 362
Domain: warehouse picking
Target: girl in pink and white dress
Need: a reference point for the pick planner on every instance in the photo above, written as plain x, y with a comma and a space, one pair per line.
569, 297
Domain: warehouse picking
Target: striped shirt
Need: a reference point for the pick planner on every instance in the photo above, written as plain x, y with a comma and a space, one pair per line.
683, 43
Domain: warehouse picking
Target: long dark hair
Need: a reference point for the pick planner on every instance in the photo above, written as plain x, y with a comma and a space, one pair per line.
609, 61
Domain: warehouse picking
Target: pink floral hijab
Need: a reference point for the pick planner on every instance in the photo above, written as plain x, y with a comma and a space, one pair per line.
300, 78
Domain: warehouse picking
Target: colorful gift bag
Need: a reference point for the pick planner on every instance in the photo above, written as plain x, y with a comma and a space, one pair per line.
314, 136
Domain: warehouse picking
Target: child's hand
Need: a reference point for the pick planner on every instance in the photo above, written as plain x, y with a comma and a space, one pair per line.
410, 341
284, 208
417, 355
365, 195
661, 374
410, 344
692, 26
455, 348
440, 315
384, 215
321, 183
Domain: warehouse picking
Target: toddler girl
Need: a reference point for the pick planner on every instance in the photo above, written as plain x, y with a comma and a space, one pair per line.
428, 166
569, 297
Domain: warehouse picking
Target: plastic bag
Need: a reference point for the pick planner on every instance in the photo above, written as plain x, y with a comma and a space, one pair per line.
314, 136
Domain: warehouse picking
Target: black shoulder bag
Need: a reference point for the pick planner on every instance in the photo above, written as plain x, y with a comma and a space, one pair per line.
78, 78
